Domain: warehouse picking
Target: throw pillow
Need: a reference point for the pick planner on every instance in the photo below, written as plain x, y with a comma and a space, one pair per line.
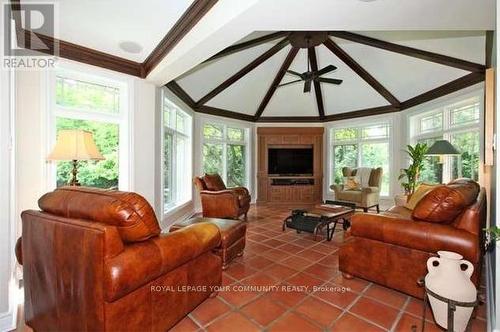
352, 183
214, 182
421, 191
444, 203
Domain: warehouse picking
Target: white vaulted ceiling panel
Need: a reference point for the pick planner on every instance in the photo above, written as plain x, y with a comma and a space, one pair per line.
290, 100
353, 94
103, 24
245, 95
465, 45
202, 79
404, 76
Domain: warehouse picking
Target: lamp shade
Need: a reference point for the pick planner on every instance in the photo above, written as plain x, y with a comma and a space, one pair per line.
442, 147
75, 144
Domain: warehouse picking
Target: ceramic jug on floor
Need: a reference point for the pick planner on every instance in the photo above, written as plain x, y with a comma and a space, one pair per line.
447, 279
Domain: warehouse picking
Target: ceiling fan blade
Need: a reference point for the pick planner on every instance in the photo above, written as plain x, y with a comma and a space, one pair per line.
325, 70
283, 84
329, 80
307, 86
294, 73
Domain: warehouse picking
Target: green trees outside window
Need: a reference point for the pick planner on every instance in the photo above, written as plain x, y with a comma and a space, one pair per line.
225, 153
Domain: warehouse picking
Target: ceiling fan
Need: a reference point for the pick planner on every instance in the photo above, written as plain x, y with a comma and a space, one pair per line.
310, 75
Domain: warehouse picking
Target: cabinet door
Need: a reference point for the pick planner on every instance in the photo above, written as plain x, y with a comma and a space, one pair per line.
307, 194
277, 194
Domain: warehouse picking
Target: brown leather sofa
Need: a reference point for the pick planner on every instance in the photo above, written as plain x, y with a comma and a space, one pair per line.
392, 248
232, 233
217, 201
95, 260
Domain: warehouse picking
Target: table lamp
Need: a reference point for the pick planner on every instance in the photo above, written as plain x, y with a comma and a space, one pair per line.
442, 148
75, 145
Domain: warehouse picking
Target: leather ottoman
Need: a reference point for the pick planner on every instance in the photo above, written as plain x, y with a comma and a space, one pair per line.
233, 233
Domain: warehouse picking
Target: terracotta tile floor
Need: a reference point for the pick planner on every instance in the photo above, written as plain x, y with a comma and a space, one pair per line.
296, 263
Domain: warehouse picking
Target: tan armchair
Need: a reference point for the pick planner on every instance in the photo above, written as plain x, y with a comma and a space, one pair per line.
364, 198
217, 201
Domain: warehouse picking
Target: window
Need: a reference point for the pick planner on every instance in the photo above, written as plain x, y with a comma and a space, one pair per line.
459, 124
176, 155
363, 146
225, 151
99, 105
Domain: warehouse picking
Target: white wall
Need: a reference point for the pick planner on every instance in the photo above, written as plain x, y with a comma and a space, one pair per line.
144, 147
8, 308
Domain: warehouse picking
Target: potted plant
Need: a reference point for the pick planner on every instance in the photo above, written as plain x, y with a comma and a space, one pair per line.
411, 174
492, 237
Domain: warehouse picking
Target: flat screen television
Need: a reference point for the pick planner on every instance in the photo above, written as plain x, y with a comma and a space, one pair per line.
289, 162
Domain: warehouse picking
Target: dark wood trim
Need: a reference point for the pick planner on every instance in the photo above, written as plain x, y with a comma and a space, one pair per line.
180, 93
224, 113
410, 51
85, 55
362, 113
242, 72
488, 48
356, 67
317, 85
15, 7
248, 44
290, 130
277, 79
289, 119
184, 24
445, 89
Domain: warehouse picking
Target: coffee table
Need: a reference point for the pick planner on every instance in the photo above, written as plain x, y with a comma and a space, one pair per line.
314, 220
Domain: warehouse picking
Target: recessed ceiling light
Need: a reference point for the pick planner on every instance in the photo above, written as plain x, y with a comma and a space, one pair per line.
130, 47
367, 0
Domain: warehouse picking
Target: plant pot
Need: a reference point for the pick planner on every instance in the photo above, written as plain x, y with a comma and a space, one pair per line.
400, 200
449, 281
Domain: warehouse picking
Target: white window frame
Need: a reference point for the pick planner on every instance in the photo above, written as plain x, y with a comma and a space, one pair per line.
176, 201
448, 129
360, 123
225, 141
122, 118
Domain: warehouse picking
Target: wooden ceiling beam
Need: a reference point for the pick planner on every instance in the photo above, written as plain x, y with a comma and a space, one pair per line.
242, 72
409, 51
362, 113
180, 93
248, 44
184, 24
224, 113
289, 119
277, 79
356, 67
317, 85
445, 89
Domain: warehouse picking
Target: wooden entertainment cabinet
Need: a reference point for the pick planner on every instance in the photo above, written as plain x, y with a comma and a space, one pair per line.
289, 189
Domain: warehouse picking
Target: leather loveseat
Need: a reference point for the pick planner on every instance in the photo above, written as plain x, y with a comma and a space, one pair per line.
392, 248
95, 260
217, 201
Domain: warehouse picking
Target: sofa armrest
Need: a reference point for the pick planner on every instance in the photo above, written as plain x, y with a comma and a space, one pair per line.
337, 187
370, 190
242, 191
143, 262
19, 250
424, 236
220, 204
187, 243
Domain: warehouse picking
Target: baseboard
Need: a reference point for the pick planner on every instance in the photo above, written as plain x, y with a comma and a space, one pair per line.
490, 296
7, 321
